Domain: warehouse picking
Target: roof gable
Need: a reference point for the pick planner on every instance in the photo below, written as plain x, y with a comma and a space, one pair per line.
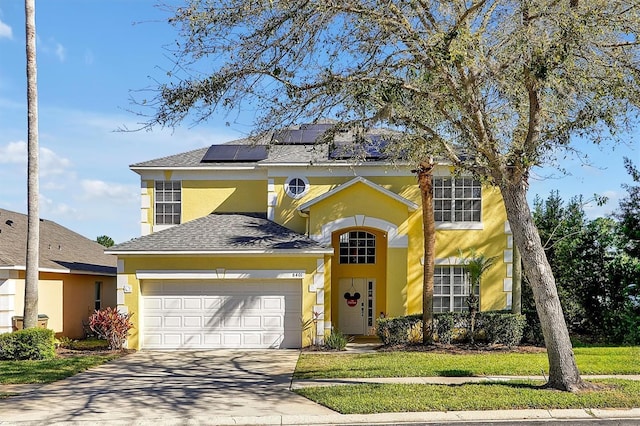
359, 180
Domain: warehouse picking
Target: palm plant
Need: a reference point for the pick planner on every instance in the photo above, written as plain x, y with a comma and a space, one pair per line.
477, 264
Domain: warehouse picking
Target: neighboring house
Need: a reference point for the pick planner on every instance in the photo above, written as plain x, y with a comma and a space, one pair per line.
75, 276
245, 245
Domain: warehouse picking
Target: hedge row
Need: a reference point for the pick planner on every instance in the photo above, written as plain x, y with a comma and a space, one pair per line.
32, 343
494, 327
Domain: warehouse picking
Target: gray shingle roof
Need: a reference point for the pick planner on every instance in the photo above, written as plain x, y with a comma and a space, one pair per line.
290, 154
222, 232
60, 248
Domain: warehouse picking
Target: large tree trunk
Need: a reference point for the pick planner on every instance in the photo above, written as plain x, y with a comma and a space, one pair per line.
33, 222
425, 182
563, 371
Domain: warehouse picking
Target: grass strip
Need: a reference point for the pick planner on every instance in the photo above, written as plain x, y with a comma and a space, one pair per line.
47, 371
390, 398
592, 360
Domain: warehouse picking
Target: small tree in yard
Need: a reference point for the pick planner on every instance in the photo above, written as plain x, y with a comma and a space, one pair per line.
111, 325
477, 264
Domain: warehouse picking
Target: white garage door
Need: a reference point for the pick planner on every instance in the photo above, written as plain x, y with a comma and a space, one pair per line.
195, 314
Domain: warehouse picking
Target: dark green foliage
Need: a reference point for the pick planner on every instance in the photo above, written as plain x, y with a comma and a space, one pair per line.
32, 344
495, 327
596, 275
105, 240
399, 330
336, 341
502, 328
629, 213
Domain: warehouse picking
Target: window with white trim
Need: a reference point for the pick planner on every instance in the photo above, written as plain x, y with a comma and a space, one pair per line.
357, 247
457, 199
296, 187
168, 198
450, 289
97, 305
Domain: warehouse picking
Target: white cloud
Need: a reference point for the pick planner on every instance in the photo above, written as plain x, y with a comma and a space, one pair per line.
593, 210
52, 209
93, 189
61, 52
51, 164
14, 153
52, 47
5, 31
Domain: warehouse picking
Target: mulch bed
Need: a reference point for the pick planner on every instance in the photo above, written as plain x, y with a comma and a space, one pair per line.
462, 349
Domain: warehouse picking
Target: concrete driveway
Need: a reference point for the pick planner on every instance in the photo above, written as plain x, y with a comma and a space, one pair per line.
171, 387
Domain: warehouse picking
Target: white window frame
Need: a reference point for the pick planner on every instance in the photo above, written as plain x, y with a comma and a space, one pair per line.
458, 195
458, 288
164, 202
97, 294
292, 189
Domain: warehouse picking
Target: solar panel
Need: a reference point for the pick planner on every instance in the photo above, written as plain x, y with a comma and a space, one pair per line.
307, 134
371, 149
235, 153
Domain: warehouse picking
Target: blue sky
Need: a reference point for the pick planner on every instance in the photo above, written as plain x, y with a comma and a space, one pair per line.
91, 55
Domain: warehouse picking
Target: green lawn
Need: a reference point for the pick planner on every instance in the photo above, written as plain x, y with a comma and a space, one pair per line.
386, 398
591, 360
47, 371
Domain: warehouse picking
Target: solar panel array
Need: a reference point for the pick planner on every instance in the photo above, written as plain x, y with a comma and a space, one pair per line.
307, 134
372, 148
235, 153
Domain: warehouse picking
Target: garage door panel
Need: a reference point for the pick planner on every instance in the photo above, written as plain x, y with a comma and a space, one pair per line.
193, 303
225, 315
192, 322
172, 303
173, 321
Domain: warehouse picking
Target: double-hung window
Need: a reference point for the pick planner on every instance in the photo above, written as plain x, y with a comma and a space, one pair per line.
450, 289
168, 197
457, 199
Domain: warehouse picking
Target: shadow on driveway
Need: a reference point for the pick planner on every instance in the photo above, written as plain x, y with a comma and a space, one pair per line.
162, 385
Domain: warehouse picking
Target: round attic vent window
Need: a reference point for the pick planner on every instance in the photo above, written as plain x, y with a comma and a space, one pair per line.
296, 187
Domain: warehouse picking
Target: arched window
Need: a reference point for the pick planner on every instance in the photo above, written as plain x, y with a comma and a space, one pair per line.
357, 247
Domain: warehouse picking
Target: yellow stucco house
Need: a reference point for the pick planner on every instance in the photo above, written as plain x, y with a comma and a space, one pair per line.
75, 275
244, 245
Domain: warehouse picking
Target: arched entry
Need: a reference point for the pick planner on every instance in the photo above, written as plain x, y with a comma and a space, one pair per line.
358, 284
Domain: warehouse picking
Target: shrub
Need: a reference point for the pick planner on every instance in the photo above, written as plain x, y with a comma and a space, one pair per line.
452, 327
444, 325
503, 328
32, 343
399, 330
336, 341
111, 325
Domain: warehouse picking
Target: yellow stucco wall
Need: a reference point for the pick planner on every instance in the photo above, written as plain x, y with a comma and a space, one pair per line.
202, 197
133, 300
50, 300
67, 299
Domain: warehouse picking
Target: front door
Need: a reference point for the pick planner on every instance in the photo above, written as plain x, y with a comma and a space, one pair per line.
356, 305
